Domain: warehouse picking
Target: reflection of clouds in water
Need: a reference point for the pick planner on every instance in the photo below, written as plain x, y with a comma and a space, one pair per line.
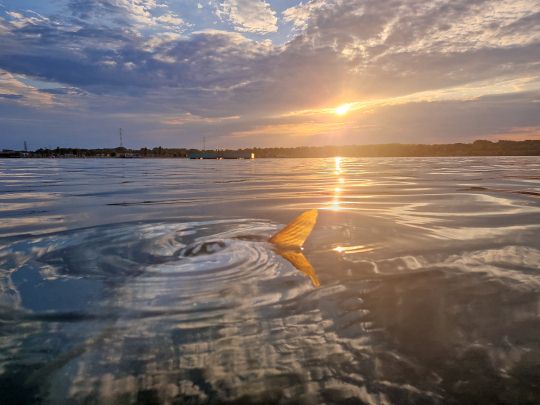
155, 298
515, 264
369, 338
24, 210
9, 295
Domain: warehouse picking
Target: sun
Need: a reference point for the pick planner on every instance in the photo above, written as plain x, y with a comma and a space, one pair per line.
343, 109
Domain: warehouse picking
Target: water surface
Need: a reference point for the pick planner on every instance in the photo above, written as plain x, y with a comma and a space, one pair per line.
150, 281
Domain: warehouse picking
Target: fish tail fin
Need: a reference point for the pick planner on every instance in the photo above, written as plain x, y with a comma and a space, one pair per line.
297, 231
300, 262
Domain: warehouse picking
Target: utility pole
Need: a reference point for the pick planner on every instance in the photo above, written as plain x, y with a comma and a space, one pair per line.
121, 138
25, 146
204, 143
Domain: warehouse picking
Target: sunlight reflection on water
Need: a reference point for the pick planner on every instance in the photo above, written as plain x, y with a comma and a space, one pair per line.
430, 291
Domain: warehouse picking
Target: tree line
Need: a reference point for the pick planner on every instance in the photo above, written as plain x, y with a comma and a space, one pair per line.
477, 148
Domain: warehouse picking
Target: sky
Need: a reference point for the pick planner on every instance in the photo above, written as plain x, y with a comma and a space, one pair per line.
245, 73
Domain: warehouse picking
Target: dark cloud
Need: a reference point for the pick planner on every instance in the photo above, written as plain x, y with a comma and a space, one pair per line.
528, 23
86, 9
11, 96
453, 121
63, 91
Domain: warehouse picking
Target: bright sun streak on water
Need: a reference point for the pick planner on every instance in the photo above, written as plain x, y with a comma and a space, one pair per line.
343, 109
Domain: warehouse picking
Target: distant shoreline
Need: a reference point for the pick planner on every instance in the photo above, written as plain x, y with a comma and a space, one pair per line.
476, 148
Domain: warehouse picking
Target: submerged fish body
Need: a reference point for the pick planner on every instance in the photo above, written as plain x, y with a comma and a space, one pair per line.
204, 248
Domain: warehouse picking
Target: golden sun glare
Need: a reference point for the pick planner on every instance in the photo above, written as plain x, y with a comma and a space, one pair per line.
343, 109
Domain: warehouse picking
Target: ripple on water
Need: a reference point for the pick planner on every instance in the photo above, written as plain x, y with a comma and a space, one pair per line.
429, 272
147, 267
132, 285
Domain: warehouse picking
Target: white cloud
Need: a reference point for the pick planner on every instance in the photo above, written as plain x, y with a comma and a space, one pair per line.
188, 118
163, 38
13, 90
299, 15
446, 27
139, 10
108, 63
254, 16
142, 13
170, 19
129, 66
18, 20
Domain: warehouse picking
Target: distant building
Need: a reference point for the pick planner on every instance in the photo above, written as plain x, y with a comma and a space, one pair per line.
7, 153
232, 154
238, 154
204, 155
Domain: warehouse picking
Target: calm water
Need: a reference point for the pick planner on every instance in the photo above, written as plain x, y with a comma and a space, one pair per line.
150, 281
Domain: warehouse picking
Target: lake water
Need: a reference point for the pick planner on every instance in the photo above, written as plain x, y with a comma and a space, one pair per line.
151, 281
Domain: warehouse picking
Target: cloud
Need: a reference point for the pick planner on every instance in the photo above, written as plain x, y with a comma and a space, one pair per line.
143, 60
301, 14
487, 117
353, 49
19, 20
189, 118
292, 131
14, 90
139, 13
170, 19
103, 59
517, 134
255, 16
505, 116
